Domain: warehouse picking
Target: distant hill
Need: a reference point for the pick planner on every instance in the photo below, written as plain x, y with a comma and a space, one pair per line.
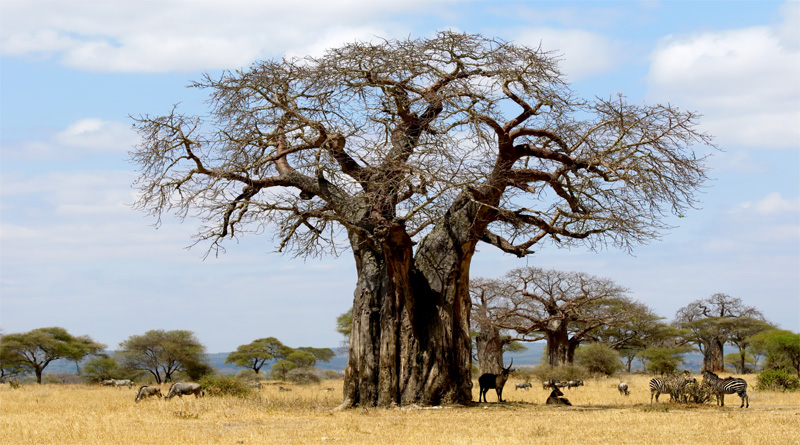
530, 357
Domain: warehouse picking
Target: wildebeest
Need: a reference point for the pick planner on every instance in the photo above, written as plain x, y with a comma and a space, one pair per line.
148, 391
549, 384
574, 384
281, 388
497, 381
623, 389
125, 382
523, 386
185, 388
556, 399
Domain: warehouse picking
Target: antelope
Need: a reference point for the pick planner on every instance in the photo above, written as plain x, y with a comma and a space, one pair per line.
496, 381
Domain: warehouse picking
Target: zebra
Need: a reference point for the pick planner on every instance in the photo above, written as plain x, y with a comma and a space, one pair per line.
730, 385
623, 389
672, 385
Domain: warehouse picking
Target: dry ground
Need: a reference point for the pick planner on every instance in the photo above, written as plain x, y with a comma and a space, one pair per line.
77, 414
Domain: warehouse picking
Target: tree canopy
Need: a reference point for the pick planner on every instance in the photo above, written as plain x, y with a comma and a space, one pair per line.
410, 153
34, 350
713, 321
162, 353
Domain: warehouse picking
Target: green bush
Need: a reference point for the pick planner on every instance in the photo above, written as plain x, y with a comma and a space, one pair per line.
561, 373
303, 376
216, 385
598, 358
777, 380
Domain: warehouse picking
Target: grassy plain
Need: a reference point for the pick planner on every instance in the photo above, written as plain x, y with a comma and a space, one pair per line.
82, 414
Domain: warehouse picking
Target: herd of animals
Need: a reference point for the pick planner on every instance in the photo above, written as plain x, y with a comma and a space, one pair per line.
673, 385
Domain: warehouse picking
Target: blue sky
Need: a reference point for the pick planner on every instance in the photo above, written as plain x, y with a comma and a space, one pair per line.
74, 254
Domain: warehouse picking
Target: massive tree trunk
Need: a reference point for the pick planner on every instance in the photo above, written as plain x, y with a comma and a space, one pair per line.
559, 350
717, 355
410, 336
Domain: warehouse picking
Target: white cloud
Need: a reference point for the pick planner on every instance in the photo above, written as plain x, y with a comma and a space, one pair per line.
771, 205
582, 53
745, 82
82, 137
187, 35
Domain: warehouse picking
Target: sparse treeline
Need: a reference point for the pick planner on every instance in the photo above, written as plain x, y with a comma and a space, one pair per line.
568, 309
157, 355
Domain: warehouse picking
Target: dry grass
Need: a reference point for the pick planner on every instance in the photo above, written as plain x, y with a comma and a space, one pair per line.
75, 414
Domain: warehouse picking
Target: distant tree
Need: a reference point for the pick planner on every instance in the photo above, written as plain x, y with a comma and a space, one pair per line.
256, 354
640, 329
739, 363
598, 358
319, 354
662, 360
709, 323
488, 316
344, 324
563, 308
102, 367
739, 332
417, 150
781, 348
34, 350
161, 352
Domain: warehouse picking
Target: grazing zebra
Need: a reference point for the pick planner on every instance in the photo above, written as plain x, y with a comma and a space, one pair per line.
730, 385
672, 385
623, 389
522, 386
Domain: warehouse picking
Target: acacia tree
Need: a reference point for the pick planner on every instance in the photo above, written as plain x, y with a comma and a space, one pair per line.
35, 350
416, 151
640, 329
162, 352
256, 353
709, 323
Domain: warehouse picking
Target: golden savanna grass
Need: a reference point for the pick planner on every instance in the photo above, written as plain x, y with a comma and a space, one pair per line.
78, 414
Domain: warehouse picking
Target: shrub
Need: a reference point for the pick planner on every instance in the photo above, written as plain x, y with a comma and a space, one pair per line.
777, 380
302, 376
598, 358
216, 385
330, 374
561, 373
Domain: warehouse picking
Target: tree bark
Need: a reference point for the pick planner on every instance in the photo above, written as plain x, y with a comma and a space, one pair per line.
410, 336
716, 355
558, 344
489, 349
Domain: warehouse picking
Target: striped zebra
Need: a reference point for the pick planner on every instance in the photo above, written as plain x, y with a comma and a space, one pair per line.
672, 385
730, 385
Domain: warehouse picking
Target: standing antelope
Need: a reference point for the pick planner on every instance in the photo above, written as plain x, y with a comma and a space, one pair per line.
496, 381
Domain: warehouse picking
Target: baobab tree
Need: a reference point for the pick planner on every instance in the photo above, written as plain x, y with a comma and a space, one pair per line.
713, 321
410, 153
490, 315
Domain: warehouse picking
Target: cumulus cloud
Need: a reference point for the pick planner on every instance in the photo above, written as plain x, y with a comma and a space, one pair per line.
187, 35
771, 205
83, 137
582, 53
745, 82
